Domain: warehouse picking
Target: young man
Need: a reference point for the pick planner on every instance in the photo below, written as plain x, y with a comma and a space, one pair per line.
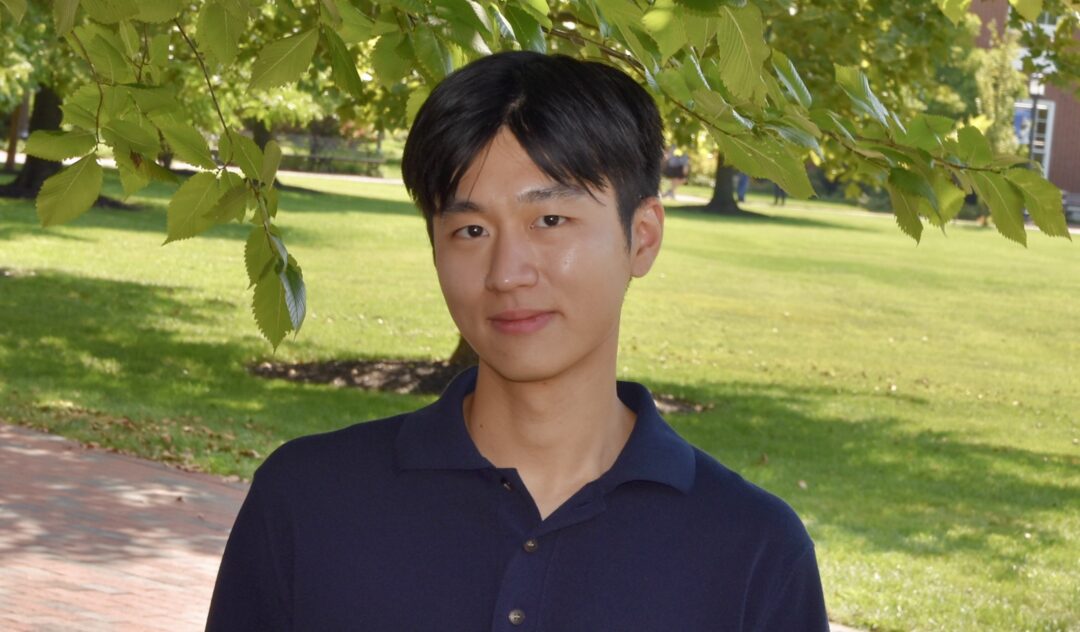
537, 493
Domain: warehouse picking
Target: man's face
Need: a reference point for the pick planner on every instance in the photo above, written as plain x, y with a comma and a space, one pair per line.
534, 272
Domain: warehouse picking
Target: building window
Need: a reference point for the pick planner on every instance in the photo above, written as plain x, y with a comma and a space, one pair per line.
1044, 130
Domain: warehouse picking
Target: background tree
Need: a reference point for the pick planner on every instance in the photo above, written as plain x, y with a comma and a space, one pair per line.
1000, 86
715, 62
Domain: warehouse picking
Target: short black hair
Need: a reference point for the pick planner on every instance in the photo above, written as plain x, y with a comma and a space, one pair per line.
583, 123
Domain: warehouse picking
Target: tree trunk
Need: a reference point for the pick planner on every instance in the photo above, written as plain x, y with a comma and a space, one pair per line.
18, 117
46, 115
464, 354
260, 133
723, 197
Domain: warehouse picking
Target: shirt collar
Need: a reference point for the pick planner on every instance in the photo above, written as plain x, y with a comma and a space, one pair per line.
435, 437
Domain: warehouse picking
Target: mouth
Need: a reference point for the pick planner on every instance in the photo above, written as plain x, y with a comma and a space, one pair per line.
521, 321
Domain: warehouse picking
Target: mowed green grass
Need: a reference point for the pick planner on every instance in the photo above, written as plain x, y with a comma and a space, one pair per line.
919, 406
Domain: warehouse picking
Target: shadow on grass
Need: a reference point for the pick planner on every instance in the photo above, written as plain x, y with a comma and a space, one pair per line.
920, 493
112, 348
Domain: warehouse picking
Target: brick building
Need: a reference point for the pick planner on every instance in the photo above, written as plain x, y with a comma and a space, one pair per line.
1057, 120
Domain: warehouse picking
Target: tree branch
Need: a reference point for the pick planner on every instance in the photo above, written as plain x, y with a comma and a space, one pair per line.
206, 76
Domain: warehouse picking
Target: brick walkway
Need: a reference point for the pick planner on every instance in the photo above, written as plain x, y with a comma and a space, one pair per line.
91, 540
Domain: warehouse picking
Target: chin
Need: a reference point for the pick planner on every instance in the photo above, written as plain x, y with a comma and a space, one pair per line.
526, 367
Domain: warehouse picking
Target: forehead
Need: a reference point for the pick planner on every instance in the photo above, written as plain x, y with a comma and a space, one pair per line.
503, 173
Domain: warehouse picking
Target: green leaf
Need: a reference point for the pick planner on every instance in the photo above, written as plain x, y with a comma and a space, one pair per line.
791, 80
467, 13
64, 15
955, 10
189, 206
355, 26
153, 100
854, 82
416, 99
343, 65
270, 309
799, 137
129, 37
233, 203
1043, 201
765, 158
158, 11
432, 54
1005, 202
133, 177
1029, 9
973, 148
699, 30
110, 11
16, 7
157, 172
741, 51
108, 61
906, 209
124, 132
52, 145
292, 281
70, 192
241, 151
271, 160
915, 186
187, 143
949, 197
219, 32
674, 85
664, 24
926, 132
527, 28
284, 61
538, 9
832, 122
258, 254
387, 60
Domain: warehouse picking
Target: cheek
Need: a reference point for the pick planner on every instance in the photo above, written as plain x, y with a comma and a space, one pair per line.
596, 273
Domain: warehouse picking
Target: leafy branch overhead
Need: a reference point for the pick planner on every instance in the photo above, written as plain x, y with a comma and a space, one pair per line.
708, 59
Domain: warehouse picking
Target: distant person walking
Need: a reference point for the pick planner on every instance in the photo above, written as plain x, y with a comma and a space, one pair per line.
779, 195
676, 168
742, 184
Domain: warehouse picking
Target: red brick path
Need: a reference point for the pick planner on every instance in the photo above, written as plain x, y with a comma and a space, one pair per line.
91, 540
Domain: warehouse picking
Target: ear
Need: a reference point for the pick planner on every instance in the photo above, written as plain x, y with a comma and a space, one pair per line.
646, 234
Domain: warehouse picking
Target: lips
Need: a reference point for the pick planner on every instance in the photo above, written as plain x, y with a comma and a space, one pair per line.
521, 321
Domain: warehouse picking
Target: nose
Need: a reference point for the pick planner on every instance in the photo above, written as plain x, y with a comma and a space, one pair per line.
512, 263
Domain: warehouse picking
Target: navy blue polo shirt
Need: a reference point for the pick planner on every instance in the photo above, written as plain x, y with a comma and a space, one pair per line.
401, 525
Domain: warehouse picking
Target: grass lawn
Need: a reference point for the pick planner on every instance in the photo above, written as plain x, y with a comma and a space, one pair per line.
918, 405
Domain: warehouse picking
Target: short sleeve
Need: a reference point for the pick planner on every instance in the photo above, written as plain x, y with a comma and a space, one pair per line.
799, 605
251, 592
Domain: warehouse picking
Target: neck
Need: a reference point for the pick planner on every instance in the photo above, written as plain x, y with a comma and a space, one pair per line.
559, 433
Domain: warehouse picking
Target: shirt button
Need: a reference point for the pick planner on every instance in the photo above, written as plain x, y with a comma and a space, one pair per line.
530, 545
506, 484
517, 616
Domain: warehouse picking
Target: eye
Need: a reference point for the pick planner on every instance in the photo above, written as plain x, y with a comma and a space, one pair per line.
551, 221
472, 231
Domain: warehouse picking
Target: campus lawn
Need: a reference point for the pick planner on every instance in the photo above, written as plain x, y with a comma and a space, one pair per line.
918, 405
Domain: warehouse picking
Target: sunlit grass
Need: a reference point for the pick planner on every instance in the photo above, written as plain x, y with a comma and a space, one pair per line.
918, 405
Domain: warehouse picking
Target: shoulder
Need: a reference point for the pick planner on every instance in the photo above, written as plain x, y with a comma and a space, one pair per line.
365, 447
747, 511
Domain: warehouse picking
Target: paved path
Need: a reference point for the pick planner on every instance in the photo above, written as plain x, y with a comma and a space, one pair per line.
91, 540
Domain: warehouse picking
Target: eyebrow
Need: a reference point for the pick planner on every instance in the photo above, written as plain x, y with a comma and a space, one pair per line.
530, 196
